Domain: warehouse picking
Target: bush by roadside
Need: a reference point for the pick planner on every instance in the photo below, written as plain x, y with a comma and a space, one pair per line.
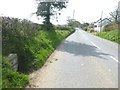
32, 45
111, 26
11, 78
15, 32
62, 27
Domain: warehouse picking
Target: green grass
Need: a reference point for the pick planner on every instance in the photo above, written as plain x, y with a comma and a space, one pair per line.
39, 48
35, 54
110, 35
32, 44
11, 78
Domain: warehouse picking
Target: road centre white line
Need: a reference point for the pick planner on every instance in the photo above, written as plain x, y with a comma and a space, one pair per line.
110, 56
95, 45
114, 59
100, 48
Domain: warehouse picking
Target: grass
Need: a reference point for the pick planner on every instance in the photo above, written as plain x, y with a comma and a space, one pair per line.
110, 35
32, 44
11, 78
39, 48
36, 52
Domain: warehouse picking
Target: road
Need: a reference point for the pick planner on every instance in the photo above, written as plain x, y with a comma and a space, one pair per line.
81, 61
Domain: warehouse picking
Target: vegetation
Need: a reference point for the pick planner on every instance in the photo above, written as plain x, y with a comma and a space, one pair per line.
11, 78
32, 45
84, 26
49, 8
63, 27
111, 26
15, 33
110, 35
40, 47
110, 32
73, 23
115, 15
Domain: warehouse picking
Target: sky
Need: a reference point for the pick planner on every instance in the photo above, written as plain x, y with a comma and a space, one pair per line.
85, 10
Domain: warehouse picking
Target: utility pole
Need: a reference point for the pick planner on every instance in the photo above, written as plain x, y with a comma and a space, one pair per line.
73, 13
73, 16
101, 21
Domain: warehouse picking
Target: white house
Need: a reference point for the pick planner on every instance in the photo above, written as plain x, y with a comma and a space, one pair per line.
99, 25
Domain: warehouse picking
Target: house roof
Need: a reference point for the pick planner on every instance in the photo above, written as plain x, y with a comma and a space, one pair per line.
102, 20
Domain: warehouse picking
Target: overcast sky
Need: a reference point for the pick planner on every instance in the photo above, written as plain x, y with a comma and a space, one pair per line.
85, 10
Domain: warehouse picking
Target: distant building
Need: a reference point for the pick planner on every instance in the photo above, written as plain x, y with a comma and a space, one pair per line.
99, 25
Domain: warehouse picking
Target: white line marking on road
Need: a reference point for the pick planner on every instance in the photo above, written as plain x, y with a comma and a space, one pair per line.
114, 59
95, 45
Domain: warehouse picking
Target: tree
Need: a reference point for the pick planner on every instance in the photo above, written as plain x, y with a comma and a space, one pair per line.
115, 15
73, 23
84, 26
47, 8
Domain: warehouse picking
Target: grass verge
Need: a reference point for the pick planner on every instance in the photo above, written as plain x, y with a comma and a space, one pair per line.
32, 57
39, 48
110, 35
11, 78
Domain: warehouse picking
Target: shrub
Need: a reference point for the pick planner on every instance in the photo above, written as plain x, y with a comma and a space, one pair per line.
11, 78
32, 45
60, 27
15, 33
110, 27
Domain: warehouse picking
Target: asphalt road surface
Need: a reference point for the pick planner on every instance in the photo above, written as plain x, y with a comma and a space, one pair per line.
81, 61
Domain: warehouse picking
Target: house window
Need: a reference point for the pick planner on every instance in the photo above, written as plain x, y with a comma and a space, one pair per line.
95, 25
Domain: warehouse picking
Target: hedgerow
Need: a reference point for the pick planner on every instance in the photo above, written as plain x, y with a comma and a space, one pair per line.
32, 44
11, 78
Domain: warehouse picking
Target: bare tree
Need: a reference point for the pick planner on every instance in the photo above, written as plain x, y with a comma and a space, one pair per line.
115, 15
